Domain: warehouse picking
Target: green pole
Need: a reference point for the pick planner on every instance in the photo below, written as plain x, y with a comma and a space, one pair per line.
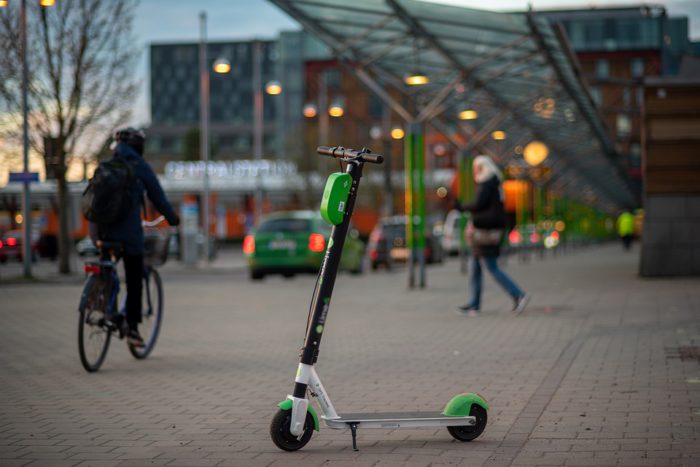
419, 154
462, 169
409, 200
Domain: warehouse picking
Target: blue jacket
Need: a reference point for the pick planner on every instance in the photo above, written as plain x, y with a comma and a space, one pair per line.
130, 231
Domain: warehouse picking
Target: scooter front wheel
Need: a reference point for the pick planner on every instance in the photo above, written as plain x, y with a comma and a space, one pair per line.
283, 439
470, 433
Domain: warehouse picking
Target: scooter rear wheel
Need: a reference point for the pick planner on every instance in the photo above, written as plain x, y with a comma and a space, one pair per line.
470, 433
283, 439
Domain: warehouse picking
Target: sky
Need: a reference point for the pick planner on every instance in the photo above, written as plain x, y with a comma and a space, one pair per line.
178, 21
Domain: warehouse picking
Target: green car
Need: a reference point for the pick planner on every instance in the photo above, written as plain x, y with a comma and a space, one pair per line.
295, 241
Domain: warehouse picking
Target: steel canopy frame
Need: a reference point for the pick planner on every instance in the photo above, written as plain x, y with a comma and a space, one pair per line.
352, 30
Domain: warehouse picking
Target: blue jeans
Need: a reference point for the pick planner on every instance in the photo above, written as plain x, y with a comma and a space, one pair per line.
500, 277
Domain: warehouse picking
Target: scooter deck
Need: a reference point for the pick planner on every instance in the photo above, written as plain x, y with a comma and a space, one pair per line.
391, 420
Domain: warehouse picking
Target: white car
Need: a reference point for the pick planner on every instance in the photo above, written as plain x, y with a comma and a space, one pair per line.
451, 232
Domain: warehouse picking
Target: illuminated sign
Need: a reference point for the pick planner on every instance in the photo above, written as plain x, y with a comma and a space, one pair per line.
229, 169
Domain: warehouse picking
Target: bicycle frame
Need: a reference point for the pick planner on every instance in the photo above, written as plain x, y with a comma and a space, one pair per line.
110, 266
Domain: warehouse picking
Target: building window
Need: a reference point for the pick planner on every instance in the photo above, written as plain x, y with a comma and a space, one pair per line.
637, 67
596, 95
593, 34
626, 96
602, 69
635, 155
624, 125
184, 54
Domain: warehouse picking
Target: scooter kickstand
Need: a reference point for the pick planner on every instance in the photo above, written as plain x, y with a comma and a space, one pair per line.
353, 431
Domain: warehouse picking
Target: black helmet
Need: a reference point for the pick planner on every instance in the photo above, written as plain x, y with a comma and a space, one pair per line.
131, 136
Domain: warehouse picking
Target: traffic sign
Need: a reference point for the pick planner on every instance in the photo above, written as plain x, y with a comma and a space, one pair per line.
24, 177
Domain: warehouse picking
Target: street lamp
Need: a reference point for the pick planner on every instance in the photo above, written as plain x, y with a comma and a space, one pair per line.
468, 114
310, 111
535, 153
416, 79
397, 133
498, 135
204, 120
221, 66
336, 109
272, 88
26, 195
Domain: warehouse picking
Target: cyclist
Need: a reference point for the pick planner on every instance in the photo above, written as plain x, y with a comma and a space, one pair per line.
129, 147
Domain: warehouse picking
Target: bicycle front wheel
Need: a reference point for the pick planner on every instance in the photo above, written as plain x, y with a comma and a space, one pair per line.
93, 332
151, 313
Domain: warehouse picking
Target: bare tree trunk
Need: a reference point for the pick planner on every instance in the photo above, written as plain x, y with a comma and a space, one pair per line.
64, 240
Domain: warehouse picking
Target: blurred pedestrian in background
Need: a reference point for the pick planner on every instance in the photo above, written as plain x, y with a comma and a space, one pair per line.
485, 234
625, 229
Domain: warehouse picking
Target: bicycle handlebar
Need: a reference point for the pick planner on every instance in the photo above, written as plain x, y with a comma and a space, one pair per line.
350, 154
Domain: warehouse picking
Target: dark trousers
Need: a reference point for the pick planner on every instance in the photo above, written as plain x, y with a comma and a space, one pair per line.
627, 241
133, 269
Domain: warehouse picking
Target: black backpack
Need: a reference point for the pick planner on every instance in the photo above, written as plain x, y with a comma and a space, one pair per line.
108, 197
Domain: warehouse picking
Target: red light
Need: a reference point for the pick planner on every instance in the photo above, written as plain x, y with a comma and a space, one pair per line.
11, 241
514, 237
92, 268
0, 243
249, 245
554, 235
317, 242
376, 236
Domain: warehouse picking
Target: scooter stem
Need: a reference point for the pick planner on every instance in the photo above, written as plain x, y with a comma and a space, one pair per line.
326, 279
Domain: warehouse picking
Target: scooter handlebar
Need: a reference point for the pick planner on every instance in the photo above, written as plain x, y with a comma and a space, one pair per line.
346, 153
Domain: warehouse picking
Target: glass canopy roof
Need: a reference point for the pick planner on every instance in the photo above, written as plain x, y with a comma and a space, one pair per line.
515, 69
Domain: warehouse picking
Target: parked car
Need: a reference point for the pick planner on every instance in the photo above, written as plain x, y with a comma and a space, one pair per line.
524, 238
387, 243
86, 247
451, 232
294, 242
11, 246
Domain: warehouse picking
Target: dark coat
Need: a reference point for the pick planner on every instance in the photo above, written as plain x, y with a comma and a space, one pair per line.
488, 212
130, 231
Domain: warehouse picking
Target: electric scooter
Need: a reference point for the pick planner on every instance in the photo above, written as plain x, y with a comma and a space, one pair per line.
464, 416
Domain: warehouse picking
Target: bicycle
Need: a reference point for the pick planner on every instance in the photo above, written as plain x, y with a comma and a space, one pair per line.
100, 317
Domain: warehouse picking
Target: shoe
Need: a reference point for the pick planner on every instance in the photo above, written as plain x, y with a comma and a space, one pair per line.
468, 310
134, 339
520, 303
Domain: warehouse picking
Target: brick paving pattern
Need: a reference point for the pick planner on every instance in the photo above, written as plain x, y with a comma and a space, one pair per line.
589, 374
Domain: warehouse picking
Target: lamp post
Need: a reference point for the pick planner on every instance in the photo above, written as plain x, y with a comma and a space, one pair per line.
273, 88
26, 194
219, 66
204, 124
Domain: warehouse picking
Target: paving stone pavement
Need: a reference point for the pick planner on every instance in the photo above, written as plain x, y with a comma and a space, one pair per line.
589, 374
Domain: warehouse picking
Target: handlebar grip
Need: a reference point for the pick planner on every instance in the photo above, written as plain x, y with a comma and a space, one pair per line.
373, 158
343, 153
327, 151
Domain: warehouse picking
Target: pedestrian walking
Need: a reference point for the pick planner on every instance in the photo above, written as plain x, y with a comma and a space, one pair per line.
484, 235
625, 229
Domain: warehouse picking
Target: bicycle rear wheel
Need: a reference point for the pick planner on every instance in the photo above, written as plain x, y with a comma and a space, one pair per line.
151, 314
93, 333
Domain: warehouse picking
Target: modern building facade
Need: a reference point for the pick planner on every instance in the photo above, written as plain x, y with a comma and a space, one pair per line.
175, 101
175, 98
617, 48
